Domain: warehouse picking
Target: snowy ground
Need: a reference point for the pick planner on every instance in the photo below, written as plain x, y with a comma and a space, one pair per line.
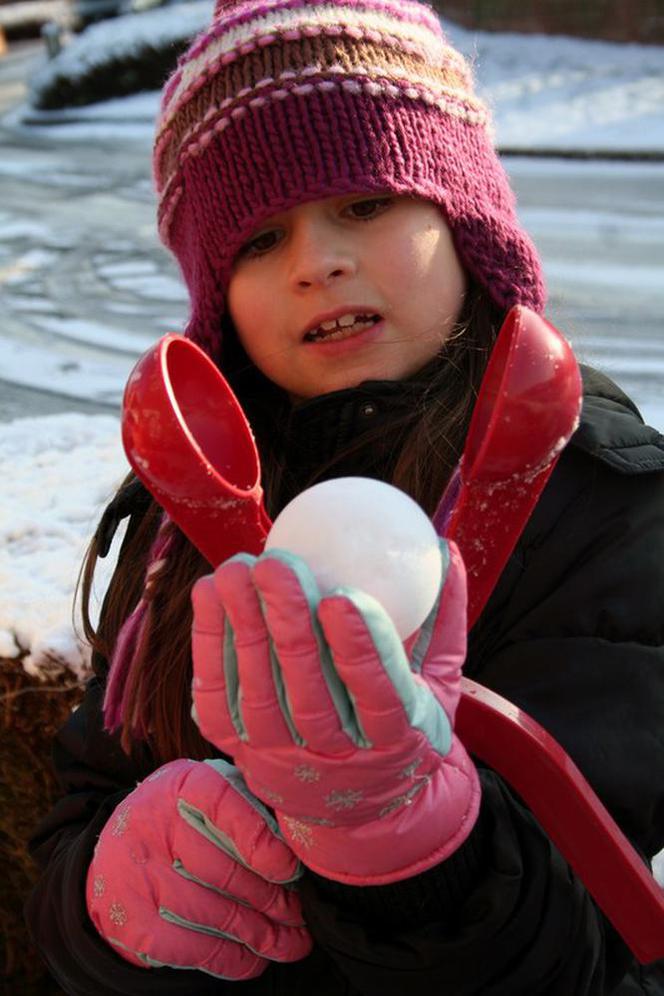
58, 473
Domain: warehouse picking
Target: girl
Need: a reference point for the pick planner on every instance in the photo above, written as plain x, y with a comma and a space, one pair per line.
327, 182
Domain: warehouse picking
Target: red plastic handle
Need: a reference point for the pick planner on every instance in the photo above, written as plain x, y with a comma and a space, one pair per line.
527, 409
562, 801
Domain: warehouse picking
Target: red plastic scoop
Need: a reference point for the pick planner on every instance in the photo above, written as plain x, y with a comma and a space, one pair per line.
188, 440
526, 411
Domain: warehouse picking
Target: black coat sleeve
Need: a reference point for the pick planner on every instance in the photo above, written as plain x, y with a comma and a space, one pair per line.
528, 928
573, 635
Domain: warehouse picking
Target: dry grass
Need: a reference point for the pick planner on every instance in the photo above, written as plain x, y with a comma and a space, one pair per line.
30, 713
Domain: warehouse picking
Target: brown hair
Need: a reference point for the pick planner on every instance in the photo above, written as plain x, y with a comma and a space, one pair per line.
430, 440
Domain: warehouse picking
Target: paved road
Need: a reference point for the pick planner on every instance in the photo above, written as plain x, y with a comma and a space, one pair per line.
86, 286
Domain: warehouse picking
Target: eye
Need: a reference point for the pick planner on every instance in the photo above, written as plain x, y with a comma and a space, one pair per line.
368, 208
259, 245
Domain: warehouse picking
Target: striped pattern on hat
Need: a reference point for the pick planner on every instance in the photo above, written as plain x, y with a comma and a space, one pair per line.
283, 101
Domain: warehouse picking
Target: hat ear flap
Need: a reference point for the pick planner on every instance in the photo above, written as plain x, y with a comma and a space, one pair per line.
503, 259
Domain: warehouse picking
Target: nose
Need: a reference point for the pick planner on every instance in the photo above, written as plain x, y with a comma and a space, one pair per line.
319, 256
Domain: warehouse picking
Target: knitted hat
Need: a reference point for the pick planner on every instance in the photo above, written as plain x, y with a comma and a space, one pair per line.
280, 102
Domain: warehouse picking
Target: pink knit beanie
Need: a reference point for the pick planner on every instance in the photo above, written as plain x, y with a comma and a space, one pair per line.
283, 101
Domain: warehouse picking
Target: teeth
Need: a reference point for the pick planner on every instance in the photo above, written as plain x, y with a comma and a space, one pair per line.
330, 331
343, 322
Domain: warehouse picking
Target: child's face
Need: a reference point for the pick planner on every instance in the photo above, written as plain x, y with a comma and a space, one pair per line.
371, 254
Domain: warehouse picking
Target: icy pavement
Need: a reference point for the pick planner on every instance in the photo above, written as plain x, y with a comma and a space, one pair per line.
86, 286
599, 228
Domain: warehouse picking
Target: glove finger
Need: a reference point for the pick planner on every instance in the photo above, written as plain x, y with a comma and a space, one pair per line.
232, 819
250, 860
441, 646
321, 709
249, 661
126, 914
214, 704
230, 880
389, 699
190, 905
145, 938
177, 922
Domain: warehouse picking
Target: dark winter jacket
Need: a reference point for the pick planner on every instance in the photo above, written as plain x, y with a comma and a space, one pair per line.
573, 635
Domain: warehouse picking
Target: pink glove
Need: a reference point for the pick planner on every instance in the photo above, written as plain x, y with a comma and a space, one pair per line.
190, 872
316, 701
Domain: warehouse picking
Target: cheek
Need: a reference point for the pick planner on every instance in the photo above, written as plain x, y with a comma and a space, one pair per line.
436, 281
246, 310
454, 288
448, 283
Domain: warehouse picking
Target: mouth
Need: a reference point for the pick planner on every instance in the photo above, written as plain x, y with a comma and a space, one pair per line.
343, 327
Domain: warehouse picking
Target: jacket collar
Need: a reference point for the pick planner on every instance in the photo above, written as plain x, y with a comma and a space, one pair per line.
332, 421
320, 432
612, 429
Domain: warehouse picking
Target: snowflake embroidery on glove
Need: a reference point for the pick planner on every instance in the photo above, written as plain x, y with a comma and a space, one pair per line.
121, 822
305, 773
406, 799
117, 914
267, 793
300, 832
156, 774
98, 886
411, 769
397, 803
347, 799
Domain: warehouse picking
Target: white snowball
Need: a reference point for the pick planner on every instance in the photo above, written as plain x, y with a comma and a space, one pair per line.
369, 535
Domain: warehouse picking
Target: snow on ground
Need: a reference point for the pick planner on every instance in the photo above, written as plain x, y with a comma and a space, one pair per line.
553, 92
547, 92
58, 473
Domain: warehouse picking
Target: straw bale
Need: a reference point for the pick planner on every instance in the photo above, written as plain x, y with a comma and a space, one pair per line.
31, 711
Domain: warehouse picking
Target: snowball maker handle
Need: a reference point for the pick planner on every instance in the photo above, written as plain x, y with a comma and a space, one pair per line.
560, 798
526, 411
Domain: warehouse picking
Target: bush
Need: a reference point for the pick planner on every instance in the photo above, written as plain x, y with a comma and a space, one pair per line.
31, 711
116, 58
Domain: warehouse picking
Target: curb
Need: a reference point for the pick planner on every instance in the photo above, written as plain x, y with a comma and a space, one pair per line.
605, 155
